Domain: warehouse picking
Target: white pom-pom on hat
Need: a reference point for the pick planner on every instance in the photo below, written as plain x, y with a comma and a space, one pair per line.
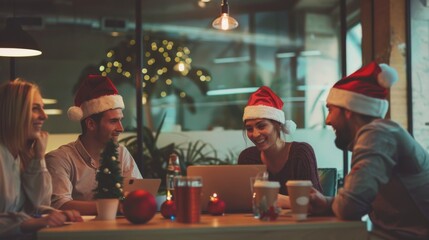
290, 126
388, 76
75, 113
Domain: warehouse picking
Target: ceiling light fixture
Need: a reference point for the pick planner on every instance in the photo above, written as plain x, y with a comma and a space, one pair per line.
15, 42
225, 22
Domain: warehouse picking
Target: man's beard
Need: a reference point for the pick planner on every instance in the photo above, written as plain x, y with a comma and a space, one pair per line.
342, 141
341, 144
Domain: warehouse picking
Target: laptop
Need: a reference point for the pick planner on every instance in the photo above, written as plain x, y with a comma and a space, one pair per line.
149, 184
230, 182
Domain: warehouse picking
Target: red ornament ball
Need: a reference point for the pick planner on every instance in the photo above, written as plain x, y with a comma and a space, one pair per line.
168, 209
216, 207
139, 206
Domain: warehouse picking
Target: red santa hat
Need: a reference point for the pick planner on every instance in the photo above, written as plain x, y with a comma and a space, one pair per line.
264, 103
365, 90
96, 94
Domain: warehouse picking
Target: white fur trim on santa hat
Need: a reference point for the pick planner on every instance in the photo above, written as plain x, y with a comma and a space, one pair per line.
388, 76
261, 111
94, 106
357, 102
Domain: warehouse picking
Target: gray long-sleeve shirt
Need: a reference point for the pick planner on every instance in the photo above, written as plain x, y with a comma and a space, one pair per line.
389, 180
21, 191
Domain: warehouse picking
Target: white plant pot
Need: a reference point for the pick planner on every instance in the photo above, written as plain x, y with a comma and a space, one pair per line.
107, 208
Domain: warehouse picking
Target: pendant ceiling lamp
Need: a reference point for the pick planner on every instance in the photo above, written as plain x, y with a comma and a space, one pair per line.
225, 22
15, 42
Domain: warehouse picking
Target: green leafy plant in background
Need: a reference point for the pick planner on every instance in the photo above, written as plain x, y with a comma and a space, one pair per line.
198, 153
232, 157
155, 158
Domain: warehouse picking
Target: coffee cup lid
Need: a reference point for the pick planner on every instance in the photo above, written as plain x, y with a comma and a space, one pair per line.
303, 183
271, 184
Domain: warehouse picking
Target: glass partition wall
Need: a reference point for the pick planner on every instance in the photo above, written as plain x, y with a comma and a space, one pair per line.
198, 77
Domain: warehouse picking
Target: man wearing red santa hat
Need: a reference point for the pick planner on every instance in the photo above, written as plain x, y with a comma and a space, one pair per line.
73, 166
389, 177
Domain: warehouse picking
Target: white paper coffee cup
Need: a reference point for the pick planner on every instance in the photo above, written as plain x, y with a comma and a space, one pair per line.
299, 195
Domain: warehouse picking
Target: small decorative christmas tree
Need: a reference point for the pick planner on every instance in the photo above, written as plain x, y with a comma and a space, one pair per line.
109, 176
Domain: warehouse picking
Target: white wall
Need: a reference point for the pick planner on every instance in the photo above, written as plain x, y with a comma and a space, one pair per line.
224, 141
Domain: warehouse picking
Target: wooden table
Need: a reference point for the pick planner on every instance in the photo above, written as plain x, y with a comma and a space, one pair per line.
229, 226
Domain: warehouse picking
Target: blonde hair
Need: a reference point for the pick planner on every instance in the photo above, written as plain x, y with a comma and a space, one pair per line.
16, 100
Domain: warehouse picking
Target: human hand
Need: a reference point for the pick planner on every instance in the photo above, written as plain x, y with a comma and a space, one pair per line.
283, 201
319, 204
53, 219
40, 144
73, 216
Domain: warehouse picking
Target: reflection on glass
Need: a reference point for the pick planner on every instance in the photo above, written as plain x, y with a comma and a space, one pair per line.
290, 46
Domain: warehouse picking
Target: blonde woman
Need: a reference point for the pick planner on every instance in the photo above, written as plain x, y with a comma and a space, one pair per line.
25, 183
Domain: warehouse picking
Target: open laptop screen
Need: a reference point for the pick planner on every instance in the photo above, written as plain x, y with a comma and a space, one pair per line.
150, 185
230, 182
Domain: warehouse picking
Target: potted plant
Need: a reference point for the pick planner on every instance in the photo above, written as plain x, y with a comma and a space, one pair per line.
155, 158
109, 183
199, 153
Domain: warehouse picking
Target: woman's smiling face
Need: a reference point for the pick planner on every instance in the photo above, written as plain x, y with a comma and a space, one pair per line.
38, 116
261, 132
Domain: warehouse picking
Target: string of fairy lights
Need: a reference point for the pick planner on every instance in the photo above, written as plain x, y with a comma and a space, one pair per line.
164, 63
